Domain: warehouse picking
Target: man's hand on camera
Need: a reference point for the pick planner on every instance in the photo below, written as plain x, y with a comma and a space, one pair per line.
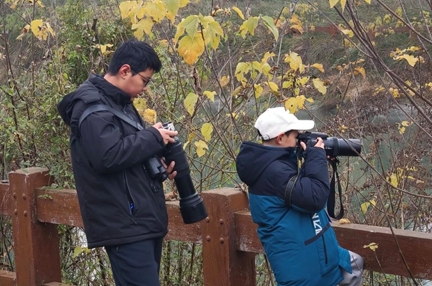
167, 135
318, 144
169, 169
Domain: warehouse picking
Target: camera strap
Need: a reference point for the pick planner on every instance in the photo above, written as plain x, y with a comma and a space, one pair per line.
102, 107
332, 196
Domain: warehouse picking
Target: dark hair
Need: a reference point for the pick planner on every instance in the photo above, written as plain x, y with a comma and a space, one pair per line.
139, 55
259, 134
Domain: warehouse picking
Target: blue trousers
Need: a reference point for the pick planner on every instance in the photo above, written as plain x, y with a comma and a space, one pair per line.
137, 263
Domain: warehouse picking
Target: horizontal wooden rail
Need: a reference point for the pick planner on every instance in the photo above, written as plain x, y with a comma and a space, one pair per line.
7, 278
228, 235
387, 258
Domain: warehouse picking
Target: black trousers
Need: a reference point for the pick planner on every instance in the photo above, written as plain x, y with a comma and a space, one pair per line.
136, 264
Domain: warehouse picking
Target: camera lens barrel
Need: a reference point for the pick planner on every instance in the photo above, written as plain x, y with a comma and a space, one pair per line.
339, 147
191, 204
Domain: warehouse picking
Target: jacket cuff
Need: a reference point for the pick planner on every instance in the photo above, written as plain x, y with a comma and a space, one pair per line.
157, 135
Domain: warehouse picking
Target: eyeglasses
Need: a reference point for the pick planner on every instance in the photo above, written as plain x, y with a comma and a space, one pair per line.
144, 79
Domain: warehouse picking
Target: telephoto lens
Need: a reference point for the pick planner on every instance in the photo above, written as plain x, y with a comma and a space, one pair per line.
192, 206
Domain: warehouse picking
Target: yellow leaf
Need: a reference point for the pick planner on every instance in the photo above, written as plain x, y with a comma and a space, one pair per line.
103, 49
241, 69
140, 104
156, 10
295, 62
201, 146
394, 92
224, 80
343, 3
364, 207
258, 90
333, 3
319, 67
150, 116
239, 12
126, 8
189, 102
36, 27
206, 131
410, 59
348, 32
372, 246
319, 85
344, 221
295, 20
293, 104
393, 180
210, 94
144, 26
302, 81
190, 48
361, 71
183, 3
267, 56
368, 1
273, 86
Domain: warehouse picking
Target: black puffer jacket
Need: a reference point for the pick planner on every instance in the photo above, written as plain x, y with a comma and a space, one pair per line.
107, 158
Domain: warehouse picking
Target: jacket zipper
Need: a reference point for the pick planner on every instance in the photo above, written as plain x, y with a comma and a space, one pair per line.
325, 250
129, 195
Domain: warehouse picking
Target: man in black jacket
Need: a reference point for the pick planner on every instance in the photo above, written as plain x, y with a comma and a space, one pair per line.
122, 205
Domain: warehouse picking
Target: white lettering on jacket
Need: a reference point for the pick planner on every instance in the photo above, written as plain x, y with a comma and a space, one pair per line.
316, 223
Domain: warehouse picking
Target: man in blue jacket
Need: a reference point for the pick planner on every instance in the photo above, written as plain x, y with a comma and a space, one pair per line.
288, 204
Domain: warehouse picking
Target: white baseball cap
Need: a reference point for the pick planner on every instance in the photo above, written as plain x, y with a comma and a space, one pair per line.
277, 120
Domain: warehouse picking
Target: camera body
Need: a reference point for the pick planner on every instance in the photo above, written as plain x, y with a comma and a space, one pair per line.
333, 146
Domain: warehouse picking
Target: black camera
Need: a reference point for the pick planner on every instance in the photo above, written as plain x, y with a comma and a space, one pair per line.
191, 204
333, 146
155, 169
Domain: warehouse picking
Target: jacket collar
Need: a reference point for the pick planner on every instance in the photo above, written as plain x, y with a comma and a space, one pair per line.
116, 94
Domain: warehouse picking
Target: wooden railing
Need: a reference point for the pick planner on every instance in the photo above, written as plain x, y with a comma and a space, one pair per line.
228, 236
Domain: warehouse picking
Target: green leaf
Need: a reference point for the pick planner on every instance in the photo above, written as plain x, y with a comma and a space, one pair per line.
77, 251
249, 26
268, 21
189, 102
172, 6
191, 25
213, 33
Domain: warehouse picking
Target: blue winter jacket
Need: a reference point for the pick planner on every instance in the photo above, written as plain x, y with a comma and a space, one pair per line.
293, 227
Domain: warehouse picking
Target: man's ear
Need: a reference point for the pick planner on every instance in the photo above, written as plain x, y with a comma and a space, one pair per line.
279, 139
124, 70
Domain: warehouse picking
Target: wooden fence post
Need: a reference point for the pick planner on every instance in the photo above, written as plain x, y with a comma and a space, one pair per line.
222, 263
36, 244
